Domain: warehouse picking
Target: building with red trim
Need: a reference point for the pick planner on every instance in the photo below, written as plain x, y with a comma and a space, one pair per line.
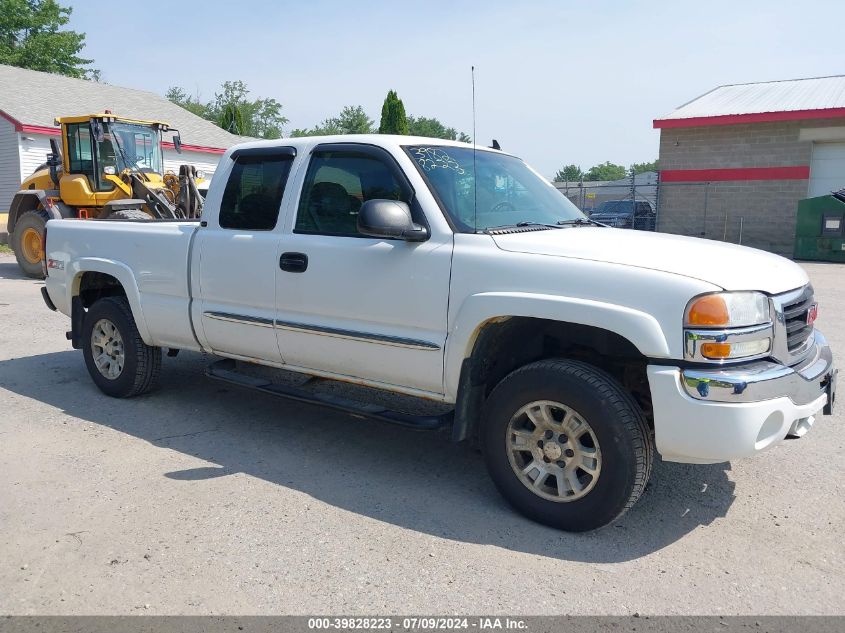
31, 100
735, 161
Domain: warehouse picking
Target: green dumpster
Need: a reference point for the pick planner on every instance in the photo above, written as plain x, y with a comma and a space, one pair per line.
820, 228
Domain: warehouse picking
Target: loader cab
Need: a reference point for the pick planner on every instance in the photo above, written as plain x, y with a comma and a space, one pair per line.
98, 148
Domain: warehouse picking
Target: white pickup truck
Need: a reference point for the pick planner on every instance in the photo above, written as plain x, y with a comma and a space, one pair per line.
568, 350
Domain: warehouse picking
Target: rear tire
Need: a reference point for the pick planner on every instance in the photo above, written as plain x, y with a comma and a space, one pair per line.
566, 445
129, 214
119, 361
27, 240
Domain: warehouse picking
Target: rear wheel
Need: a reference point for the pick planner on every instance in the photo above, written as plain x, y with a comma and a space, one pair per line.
27, 242
118, 360
566, 445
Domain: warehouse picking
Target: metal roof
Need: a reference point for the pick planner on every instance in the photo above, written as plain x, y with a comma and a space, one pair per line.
818, 97
33, 98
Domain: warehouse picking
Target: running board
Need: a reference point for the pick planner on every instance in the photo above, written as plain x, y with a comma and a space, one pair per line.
226, 371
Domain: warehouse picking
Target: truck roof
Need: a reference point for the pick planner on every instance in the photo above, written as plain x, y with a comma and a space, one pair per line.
381, 140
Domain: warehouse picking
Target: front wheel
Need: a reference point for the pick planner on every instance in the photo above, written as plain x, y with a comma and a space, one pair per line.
27, 240
118, 360
566, 445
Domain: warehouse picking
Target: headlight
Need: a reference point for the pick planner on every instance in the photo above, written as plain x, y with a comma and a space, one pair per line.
728, 325
728, 309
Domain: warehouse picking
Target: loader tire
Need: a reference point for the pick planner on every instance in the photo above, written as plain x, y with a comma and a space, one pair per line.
26, 241
129, 214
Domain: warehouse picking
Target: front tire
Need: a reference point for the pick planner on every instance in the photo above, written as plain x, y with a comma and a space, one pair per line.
27, 243
566, 445
118, 360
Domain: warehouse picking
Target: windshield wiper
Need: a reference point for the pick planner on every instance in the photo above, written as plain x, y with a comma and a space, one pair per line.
117, 143
520, 225
579, 222
529, 223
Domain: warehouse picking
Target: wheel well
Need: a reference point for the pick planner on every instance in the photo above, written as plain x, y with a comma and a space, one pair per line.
21, 203
505, 345
94, 286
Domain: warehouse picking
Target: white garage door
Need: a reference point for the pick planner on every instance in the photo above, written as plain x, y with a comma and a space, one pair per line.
827, 168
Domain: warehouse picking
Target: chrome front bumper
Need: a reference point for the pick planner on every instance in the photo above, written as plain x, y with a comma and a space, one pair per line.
765, 380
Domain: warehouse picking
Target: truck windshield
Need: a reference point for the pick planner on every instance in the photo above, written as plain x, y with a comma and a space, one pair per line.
500, 190
130, 146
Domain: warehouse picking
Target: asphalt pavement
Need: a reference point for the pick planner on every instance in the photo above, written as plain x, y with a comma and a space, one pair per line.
203, 498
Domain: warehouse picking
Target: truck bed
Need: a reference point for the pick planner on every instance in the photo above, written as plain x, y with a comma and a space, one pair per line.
155, 256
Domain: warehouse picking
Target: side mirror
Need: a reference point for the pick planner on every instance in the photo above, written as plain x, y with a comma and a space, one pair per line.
391, 219
177, 143
97, 130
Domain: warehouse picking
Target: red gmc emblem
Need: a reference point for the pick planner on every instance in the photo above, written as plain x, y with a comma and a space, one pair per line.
812, 314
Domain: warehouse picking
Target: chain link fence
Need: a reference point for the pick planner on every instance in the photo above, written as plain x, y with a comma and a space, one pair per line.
627, 203
757, 214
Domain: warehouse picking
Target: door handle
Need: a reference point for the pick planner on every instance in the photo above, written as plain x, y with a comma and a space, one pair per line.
293, 262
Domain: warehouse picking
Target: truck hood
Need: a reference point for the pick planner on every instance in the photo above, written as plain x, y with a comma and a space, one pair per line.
728, 266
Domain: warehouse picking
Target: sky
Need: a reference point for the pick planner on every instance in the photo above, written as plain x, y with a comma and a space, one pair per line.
556, 82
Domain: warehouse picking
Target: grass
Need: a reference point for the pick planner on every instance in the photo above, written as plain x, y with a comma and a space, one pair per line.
5, 249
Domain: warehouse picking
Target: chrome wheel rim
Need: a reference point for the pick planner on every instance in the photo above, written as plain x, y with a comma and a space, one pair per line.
107, 349
553, 451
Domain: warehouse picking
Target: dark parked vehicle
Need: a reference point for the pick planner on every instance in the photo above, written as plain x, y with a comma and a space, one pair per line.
626, 214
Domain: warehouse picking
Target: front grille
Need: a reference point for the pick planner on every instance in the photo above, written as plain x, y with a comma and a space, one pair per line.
795, 319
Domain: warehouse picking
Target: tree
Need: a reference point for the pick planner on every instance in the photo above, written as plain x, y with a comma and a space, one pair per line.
393, 119
326, 128
232, 119
570, 173
232, 110
431, 127
351, 120
606, 171
30, 37
267, 119
640, 168
261, 118
193, 104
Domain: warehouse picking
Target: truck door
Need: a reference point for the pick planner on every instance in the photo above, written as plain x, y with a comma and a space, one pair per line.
238, 257
368, 308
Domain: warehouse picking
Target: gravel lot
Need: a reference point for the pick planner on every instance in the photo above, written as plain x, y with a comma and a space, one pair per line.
203, 498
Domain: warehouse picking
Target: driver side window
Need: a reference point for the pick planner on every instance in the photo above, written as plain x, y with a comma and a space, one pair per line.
336, 185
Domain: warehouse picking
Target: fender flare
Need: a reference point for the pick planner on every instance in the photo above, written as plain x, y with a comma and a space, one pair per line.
640, 328
119, 271
31, 199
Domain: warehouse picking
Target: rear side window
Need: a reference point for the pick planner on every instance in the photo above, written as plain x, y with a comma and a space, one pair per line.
254, 192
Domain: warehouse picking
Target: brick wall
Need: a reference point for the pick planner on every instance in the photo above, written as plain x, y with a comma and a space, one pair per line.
757, 213
765, 208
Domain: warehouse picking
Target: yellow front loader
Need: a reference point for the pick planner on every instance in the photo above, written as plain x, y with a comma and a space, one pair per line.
107, 167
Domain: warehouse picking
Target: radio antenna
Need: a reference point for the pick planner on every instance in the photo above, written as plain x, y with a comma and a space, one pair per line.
474, 172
